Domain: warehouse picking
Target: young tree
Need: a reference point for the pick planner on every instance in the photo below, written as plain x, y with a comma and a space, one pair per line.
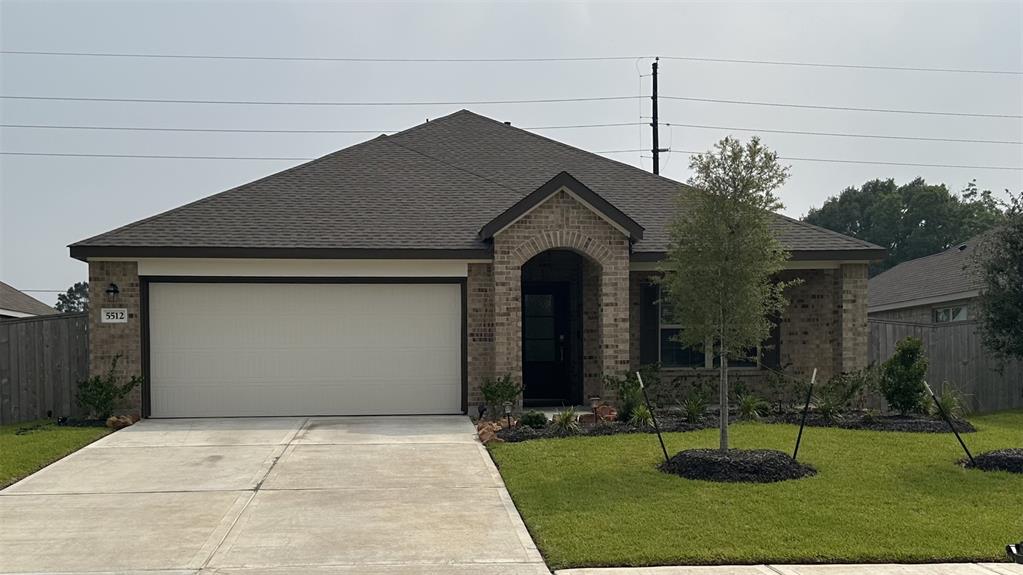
75, 299
1001, 298
720, 268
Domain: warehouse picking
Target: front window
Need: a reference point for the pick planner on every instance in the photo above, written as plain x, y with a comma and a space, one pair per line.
950, 314
673, 353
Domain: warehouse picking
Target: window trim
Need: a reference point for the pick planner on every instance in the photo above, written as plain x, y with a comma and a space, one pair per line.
963, 309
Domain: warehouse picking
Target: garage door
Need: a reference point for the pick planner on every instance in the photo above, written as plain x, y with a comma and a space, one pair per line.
247, 349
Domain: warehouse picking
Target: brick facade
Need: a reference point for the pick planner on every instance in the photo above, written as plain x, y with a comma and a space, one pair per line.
480, 311
109, 340
824, 327
562, 222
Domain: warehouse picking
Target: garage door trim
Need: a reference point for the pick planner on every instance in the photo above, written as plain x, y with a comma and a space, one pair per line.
145, 281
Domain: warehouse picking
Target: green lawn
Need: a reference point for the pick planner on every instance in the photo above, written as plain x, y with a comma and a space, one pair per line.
878, 496
21, 455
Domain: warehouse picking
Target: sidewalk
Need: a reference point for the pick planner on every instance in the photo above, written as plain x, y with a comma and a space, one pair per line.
876, 569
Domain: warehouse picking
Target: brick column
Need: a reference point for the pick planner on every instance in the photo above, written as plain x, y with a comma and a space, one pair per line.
852, 321
109, 340
480, 304
507, 318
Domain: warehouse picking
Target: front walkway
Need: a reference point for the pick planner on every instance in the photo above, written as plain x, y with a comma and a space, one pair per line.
366, 495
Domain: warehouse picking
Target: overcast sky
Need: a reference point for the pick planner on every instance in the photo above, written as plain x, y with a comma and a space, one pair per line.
49, 202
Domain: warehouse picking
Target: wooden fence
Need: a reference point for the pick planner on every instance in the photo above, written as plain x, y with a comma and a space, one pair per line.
956, 355
42, 359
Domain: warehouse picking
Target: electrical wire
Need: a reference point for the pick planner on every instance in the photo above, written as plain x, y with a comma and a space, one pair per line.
314, 103
847, 135
837, 161
843, 108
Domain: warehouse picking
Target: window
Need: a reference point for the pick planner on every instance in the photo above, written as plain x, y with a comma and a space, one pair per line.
672, 352
949, 314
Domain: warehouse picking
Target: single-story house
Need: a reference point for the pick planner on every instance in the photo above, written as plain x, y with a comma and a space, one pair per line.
394, 276
938, 288
16, 304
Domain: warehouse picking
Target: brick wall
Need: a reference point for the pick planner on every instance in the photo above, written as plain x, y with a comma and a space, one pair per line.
480, 311
561, 222
824, 327
107, 340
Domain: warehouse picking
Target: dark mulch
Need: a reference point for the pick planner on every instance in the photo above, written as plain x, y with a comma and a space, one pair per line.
736, 465
68, 422
906, 423
666, 422
998, 460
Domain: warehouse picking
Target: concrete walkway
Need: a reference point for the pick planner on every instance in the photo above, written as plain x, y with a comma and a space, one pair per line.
880, 569
366, 495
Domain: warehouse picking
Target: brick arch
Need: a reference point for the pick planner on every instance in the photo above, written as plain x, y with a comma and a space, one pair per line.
561, 240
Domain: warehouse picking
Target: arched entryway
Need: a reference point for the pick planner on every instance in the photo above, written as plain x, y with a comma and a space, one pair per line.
560, 303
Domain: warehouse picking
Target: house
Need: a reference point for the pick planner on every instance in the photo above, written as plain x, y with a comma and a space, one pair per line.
938, 288
394, 276
16, 304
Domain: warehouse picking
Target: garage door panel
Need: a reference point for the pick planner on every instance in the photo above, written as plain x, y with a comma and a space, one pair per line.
304, 349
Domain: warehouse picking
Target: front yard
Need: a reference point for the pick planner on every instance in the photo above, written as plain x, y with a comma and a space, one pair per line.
878, 497
39, 444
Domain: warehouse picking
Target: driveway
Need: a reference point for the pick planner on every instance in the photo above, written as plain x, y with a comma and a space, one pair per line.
345, 495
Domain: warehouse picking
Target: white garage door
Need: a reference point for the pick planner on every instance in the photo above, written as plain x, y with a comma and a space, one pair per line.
245, 349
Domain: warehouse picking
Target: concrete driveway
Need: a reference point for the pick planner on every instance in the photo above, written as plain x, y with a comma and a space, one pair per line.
347, 495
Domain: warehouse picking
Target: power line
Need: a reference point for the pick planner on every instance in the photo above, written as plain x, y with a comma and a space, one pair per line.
846, 66
496, 60
152, 156
844, 108
272, 158
846, 135
837, 161
314, 58
314, 103
271, 131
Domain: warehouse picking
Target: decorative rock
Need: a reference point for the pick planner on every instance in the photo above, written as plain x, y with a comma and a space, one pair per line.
113, 422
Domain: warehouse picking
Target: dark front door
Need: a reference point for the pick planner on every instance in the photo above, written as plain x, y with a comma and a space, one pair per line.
546, 344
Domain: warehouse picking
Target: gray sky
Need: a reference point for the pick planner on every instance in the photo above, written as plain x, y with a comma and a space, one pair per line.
49, 202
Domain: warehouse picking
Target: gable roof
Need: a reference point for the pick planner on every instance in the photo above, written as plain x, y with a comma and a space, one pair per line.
943, 276
564, 180
424, 192
13, 300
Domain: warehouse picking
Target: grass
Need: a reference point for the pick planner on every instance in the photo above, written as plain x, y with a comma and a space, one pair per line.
22, 455
878, 497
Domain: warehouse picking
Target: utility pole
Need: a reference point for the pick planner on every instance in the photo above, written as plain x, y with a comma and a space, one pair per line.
656, 149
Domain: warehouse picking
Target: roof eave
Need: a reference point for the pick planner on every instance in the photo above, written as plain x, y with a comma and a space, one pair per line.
794, 255
84, 252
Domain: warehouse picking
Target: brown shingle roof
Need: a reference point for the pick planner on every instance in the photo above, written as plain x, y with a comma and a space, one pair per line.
14, 300
428, 188
946, 273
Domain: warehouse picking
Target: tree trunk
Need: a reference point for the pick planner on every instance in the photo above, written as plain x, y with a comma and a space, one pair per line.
723, 398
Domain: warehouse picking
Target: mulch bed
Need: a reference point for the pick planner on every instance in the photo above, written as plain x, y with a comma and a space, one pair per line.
736, 465
68, 422
668, 423
904, 423
998, 460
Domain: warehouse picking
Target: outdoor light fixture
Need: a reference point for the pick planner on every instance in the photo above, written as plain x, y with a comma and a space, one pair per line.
112, 290
508, 412
1015, 552
594, 404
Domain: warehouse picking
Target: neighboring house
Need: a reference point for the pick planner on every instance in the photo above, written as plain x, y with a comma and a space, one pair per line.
396, 275
15, 304
939, 288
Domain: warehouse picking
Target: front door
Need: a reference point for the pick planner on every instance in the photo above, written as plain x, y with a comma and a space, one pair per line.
545, 344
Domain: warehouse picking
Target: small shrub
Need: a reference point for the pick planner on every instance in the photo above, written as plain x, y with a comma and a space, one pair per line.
871, 416
628, 392
751, 407
828, 406
533, 419
565, 422
902, 377
102, 394
694, 406
952, 401
497, 392
641, 417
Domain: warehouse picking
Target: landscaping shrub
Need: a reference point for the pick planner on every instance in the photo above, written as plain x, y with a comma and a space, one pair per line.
694, 406
902, 377
103, 394
952, 401
497, 392
626, 388
751, 407
533, 419
641, 417
565, 422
